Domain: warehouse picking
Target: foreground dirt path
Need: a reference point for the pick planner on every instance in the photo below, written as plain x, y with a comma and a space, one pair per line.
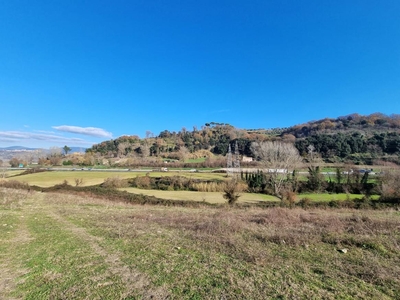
9, 272
65, 246
19, 235
132, 279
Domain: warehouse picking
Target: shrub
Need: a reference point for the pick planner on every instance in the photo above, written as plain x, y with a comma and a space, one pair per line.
207, 186
14, 184
78, 181
143, 182
305, 202
288, 198
114, 182
390, 186
232, 190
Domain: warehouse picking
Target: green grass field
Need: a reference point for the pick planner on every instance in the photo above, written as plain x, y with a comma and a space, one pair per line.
51, 178
195, 160
210, 197
329, 197
216, 197
9, 173
59, 246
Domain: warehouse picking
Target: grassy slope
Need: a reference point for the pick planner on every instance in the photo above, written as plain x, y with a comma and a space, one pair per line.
68, 247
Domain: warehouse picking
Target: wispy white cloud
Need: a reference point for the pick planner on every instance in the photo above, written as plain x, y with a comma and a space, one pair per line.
8, 140
91, 131
21, 136
45, 131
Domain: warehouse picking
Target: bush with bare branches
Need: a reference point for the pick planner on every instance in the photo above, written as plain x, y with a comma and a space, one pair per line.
390, 185
232, 190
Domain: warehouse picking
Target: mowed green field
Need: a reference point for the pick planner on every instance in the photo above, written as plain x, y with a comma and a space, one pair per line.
216, 197
10, 173
332, 197
51, 178
210, 197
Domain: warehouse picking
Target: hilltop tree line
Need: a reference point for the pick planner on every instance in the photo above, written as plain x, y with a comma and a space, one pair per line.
354, 122
354, 138
215, 139
353, 146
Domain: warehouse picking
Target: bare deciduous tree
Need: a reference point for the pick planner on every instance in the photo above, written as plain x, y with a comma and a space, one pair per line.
55, 156
122, 149
145, 150
232, 190
390, 184
3, 169
149, 134
278, 159
89, 159
55, 151
40, 154
184, 153
29, 157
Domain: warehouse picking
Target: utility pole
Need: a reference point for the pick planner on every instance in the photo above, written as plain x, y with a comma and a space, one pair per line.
229, 164
236, 162
233, 162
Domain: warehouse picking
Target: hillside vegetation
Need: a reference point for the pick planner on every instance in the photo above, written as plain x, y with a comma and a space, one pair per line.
372, 139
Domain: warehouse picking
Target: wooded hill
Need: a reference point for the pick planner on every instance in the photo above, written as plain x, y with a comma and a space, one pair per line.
353, 138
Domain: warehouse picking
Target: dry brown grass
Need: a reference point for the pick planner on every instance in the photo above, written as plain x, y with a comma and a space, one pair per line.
12, 198
235, 253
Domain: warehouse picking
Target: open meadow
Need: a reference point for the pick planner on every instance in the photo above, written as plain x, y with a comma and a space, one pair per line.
89, 178
51, 178
210, 197
60, 246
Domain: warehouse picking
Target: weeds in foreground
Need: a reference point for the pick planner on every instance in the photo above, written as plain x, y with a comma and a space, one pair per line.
12, 198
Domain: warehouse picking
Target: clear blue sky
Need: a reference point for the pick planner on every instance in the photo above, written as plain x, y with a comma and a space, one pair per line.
80, 72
